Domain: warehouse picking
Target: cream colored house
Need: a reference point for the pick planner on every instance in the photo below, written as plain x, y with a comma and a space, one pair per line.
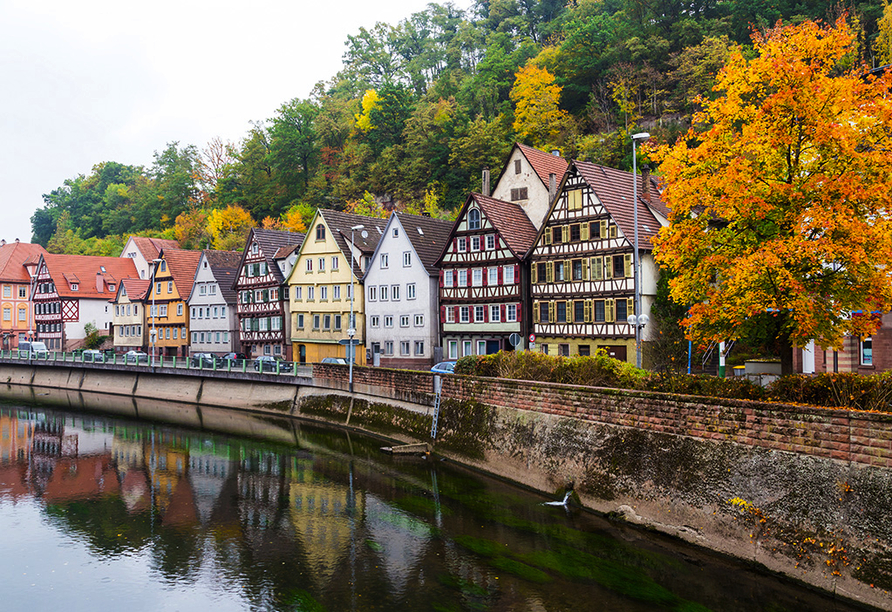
129, 318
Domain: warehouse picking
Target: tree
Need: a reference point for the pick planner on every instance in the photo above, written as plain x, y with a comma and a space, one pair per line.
780, 195
882, 46
229, 227
538, 117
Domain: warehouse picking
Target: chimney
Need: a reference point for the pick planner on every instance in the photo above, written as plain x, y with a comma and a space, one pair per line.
552, 186
100, 285
645, 178
3, 242
484, 186
17, 240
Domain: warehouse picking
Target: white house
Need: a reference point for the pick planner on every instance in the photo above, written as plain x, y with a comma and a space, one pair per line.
213, 321
529, 179
143, 251
402, 292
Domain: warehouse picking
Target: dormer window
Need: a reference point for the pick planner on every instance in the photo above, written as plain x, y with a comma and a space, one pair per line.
111, 287
75, 287
473, 219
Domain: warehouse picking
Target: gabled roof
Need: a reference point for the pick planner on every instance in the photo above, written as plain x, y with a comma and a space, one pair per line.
339, 223
270, 242
182, 265
225, 267
136, 288
544, 164
509, 220
614, 190
14, 256
86, 268
151, 247
428, 237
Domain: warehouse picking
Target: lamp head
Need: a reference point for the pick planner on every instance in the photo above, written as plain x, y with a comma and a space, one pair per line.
357, 227
640, 136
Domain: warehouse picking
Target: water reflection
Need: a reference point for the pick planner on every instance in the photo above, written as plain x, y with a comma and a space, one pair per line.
103, 513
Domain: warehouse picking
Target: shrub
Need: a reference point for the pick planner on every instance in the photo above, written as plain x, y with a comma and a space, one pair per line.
704, 385
836, 390
598, 370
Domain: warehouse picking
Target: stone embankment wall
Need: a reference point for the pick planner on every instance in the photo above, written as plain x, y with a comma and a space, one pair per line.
803, 491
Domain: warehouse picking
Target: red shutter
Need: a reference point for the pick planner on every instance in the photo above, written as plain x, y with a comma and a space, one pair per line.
500, 279
442, 314
519, 318
485, 274
455, 245
455, 278
455, 314
441, 278
517, 275
502, 312
486, 314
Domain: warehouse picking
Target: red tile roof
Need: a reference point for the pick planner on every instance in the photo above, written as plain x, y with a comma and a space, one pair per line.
85, 268
510, 220
14, 256
151, 247
182, 265
544, 163
136, 288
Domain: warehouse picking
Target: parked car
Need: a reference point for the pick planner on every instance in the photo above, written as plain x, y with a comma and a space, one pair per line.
234, 359
444, 367
205, 360
32, 350
92, 356
136, 357
337, 360
267, 363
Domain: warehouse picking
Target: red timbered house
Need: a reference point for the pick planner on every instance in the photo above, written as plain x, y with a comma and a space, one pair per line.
262, 290
71, 291
484, 284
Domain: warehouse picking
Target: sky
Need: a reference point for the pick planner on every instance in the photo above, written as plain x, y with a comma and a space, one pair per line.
99, 80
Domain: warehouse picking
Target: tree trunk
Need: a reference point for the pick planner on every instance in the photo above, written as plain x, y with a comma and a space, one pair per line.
785, 345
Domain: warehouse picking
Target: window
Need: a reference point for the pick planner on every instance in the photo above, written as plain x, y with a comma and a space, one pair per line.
419, 320
167, 333
7, 314
388, 347
334, 262
404, 347
495, 313
481, 347
574, 199
373, 294
298, 293
213, 289
337, 322
323, 293
560, 312
543, 312
516, 166
404, 320
23, 314
479, 314
462, 278
574, 233
410, 291
448, 278
111, 287
560, 268
395, 292
407, 259
322, 264
622, 310
311, 294
180, 310
508, 275
300, 320
163, 310
477, 275
599, 311
867, 351
474, 222
450, 314
75, 287
464, 314
170, 286
117, 311
419, 348
383, 292
375, 321
475, 243
579, 311
309, 264
519, 193
202, 290
326, 321
493, 276
467, 347
388, 321
23, 293
564, 350
511, 313
462, 244
490, 242
396, 232
619, 267
577, 269
336, 292
320, 232
594, 230
543, 349
316, 321
584, 350
453, 349
557, 235
385, 260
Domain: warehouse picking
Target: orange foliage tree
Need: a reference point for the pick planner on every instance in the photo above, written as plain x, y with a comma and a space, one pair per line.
538, 116
781, 216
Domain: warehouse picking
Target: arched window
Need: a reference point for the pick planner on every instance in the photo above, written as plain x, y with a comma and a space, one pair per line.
320, 232
473, 219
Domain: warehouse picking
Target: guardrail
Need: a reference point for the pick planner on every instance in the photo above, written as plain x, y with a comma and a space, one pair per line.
237, 366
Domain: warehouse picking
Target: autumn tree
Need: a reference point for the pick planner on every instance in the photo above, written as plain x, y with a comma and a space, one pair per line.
538, 117
882, 46
779, 195
229, 227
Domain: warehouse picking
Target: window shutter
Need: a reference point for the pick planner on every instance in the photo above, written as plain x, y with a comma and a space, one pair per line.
519, 304
502, 313
603, 228
608, 267
486, 314
585, 269
588, 311
456, 314
485, 275
549, 272
583, 232
566, 234
455, 278
534, 273
516, 274
441, 278
597, 268
627, 265
551, 309
501, 281
630, 305
609, 310
535, 312
442, 314
455, 245
547, 235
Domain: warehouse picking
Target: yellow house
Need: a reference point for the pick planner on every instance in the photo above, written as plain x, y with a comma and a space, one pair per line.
170, 288
329, 267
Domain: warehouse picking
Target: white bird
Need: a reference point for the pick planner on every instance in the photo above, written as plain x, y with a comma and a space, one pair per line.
560, 503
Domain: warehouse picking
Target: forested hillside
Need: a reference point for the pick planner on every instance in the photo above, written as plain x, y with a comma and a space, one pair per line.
420, 107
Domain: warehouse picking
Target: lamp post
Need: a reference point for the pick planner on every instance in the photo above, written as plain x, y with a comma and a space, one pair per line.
155, 263
636, 260
351, 327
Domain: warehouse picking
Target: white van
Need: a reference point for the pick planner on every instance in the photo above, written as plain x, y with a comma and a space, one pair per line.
32, 350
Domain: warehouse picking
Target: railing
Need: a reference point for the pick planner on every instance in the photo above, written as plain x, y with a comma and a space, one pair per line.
242, 366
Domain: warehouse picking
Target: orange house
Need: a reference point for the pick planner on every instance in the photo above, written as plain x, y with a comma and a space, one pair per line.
168, 319
18, 264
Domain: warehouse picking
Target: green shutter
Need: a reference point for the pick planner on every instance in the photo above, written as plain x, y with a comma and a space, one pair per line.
609, 310
608, 267
627, 265
583, 232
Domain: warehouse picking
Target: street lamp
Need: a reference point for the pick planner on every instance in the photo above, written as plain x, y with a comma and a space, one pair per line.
636, 260
351, 326
155, 263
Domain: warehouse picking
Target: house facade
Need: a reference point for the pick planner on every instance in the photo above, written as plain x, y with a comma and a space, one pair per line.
262, 292
529, 179
402, 292
128, 321
18, 265
71, 291
168, 320
213, 322
326, 282
143, 251
583, 282
484, 283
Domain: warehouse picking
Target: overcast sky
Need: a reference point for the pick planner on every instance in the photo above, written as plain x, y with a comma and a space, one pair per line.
100, 80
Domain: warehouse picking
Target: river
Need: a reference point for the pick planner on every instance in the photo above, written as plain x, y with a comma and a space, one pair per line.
102, 512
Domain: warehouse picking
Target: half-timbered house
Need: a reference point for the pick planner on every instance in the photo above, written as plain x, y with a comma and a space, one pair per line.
73, 290
583, 284
401, 292
484, 284
262, 291
330, 266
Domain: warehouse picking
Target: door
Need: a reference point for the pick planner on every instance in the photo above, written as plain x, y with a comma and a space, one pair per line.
618, 352
302, 353
493, 346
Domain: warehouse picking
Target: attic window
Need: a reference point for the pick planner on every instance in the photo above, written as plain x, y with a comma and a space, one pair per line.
254, 249
396, 232
75, 287
111, 287
102, 269
519, 193
379, 231
420, 231
473, 219
516, 166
